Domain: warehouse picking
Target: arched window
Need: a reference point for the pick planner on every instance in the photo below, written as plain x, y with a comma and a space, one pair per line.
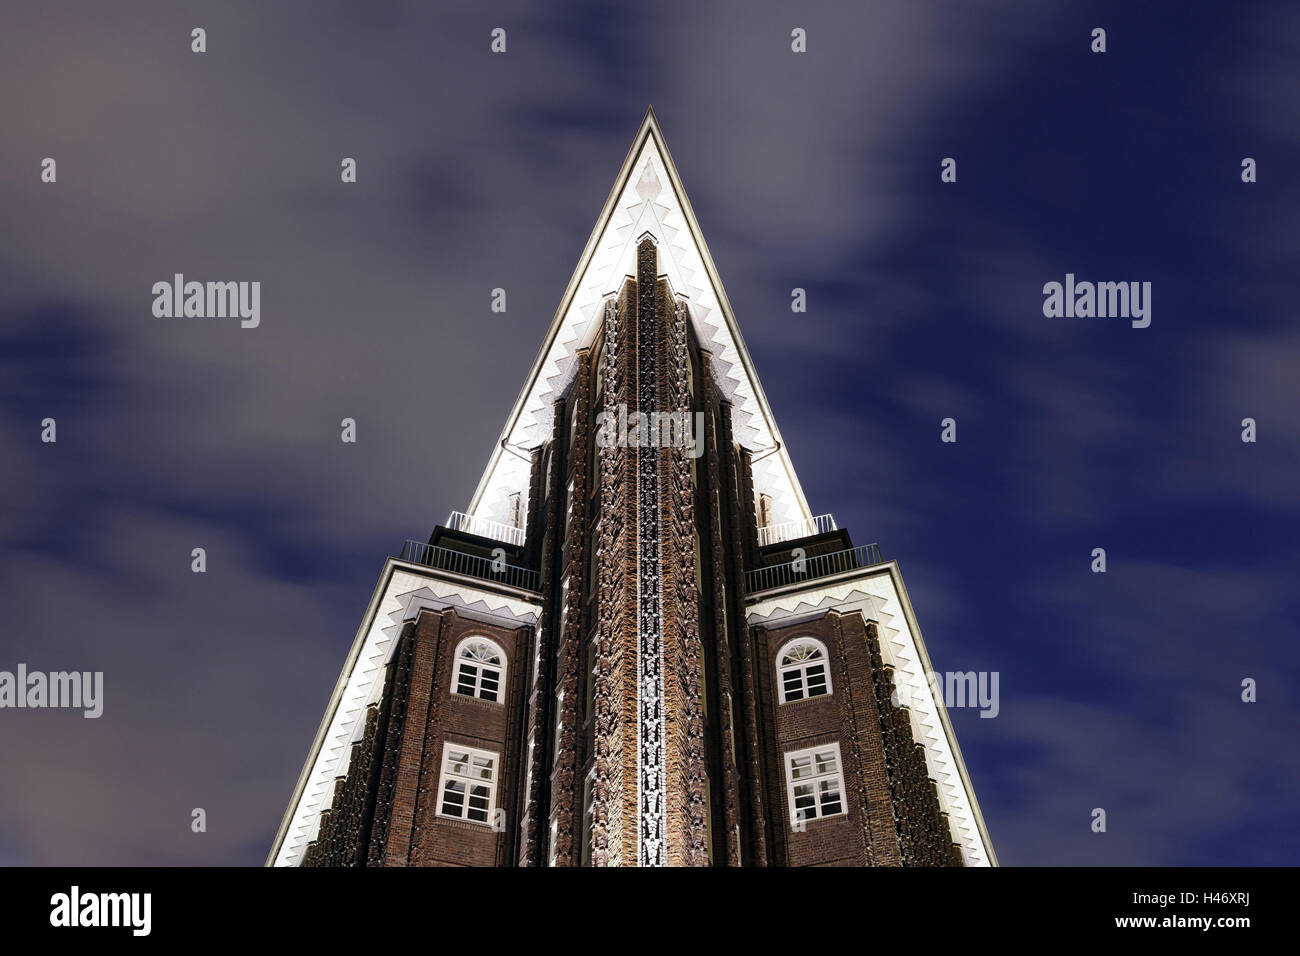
480, 669
802, 669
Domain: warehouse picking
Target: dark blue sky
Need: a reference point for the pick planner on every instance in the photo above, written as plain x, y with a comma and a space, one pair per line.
819, 171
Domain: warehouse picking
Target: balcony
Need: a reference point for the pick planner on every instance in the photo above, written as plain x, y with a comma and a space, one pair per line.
495, 530
792, 530
810, 568
471, 565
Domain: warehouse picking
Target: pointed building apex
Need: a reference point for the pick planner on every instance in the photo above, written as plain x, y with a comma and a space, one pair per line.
647, 197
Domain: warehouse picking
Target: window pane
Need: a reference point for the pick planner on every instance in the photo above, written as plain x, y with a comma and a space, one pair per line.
465, 679
793, 686
830, 797
453, 798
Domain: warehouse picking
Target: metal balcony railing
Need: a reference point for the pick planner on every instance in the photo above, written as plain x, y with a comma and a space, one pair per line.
484, 528
791, 530
469, 564
796, 571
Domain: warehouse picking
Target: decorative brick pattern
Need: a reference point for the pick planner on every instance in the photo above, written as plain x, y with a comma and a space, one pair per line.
723, 582
924, 838
566, 787
767, 826
685, 798
614, 810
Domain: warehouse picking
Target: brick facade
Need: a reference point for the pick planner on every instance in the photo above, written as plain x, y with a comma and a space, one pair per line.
396, 766
640, 720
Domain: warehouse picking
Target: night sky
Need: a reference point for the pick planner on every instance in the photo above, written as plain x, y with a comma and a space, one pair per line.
818, 170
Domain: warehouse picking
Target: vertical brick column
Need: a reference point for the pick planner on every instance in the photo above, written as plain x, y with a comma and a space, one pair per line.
390, 752
614, 809
532, 812
566, 789
406, 786
683, 717
863, 753
922, 834
740, 502
720, 584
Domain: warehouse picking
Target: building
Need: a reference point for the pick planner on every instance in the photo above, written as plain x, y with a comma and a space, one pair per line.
637, 645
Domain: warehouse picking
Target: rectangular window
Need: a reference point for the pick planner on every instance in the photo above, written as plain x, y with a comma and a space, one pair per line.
467, 790
814, 783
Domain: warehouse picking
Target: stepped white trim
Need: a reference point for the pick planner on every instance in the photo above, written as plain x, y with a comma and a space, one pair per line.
647, 197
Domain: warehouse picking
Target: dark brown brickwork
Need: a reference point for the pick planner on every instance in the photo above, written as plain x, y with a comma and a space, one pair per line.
614, 836
892, 815
385, 811
683, 716
341, 840
534, 790
389, 753
649, 549
722, 583
765, 818
923, 833
566, 785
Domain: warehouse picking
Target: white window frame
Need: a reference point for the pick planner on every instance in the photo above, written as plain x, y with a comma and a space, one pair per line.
815, 756
467, 773
801, 668
479, 667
